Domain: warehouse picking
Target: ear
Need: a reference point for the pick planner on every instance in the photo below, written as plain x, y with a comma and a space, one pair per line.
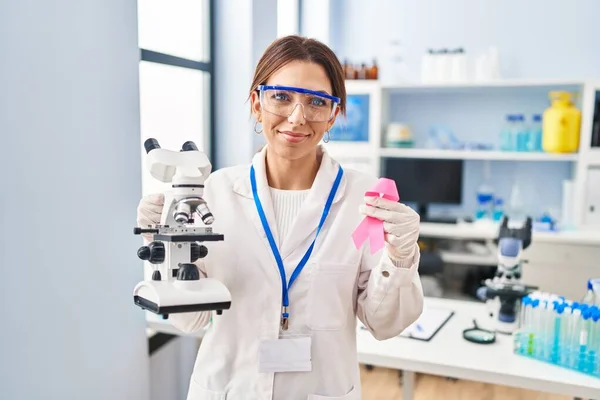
256, 110
332, 121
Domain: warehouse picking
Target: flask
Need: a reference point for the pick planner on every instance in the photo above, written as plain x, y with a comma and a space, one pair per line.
534, 140
561, 124
516, 207
506, 135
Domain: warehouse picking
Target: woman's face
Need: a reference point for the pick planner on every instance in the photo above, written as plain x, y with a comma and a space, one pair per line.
293, 137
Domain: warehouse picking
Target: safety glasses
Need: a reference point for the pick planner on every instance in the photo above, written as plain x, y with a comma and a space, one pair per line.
283, 100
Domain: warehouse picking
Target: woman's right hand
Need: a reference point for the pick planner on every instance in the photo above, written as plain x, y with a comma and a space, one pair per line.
149, 210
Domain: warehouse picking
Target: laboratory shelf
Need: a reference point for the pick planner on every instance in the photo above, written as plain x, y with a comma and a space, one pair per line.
480, 85
474, 155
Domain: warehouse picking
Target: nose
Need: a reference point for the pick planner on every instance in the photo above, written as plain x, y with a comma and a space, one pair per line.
296, 117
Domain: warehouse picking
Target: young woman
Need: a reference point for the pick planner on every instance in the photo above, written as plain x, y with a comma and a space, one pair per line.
288, 217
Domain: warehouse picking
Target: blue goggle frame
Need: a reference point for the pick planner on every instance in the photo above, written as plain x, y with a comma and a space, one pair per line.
300, 90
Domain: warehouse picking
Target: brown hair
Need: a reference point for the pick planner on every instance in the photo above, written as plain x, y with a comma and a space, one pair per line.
297, 48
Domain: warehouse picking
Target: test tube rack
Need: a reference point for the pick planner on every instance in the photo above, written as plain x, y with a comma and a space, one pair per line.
561, 332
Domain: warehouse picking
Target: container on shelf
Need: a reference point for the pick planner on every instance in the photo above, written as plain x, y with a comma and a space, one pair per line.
507, 134
399, 135
534, 139
561, 124
521, 136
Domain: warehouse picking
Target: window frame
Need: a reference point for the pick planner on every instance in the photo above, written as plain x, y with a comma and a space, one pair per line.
207, 67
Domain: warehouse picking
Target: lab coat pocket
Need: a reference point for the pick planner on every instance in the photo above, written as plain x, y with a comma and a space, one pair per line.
352, 395
197, 392
331, 292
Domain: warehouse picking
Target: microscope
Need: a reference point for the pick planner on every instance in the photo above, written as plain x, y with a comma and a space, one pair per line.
504, 292
177, 243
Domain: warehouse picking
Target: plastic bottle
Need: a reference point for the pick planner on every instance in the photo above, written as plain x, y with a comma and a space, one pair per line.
458, 67
561, 124
485, 196
506, 135
592, 295
534, 140
498, 209
520, 133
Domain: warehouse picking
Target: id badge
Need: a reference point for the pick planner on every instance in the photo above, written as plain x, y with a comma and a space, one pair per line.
289, 353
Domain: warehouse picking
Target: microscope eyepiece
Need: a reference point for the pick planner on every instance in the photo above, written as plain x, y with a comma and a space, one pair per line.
189, 146
151, 144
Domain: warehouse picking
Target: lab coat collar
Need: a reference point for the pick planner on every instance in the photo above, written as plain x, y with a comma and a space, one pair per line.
310, 213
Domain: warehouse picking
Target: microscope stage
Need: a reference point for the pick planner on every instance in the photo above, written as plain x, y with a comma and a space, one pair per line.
186, 234
189, 237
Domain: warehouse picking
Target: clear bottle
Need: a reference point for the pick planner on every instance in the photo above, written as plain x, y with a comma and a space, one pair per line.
534, 140
520, 133
485, 197
498, 209
592, 295
506, 134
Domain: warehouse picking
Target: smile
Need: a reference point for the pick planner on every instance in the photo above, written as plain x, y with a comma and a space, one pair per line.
293, 137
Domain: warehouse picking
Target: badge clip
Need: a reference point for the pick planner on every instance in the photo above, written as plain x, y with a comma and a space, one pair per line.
284, 318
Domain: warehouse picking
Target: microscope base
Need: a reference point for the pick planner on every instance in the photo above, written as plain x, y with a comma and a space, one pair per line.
170, 297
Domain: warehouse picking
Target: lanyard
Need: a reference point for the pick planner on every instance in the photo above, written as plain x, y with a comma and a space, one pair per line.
285, 286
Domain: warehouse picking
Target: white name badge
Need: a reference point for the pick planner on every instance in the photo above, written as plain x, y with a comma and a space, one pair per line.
285, 355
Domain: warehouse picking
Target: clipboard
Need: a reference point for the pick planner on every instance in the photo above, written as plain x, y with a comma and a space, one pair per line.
430, 322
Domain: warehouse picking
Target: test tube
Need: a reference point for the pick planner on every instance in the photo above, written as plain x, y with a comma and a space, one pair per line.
556, 348
594, 351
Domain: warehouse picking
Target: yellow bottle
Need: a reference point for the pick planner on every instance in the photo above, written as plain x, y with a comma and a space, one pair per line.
561, 124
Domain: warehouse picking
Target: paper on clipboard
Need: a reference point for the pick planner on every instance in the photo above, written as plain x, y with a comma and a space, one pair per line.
428, 324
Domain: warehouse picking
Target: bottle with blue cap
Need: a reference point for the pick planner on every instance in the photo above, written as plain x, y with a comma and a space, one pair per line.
534, 139
592, 296
521, 136
507, 134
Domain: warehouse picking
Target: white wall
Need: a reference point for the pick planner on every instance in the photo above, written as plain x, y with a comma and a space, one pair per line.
536, 39
70, 162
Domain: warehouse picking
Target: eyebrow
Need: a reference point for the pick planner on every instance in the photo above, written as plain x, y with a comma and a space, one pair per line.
320, 91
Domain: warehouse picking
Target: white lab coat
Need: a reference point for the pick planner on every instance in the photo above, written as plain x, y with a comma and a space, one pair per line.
338, 284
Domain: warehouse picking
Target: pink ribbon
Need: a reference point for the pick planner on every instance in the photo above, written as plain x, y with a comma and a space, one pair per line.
372, 228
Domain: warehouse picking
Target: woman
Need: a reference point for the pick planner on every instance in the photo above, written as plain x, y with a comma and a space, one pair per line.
269, 212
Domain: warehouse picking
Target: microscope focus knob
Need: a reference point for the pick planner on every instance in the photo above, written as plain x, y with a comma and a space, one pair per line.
154, 253
188, 272
197, 251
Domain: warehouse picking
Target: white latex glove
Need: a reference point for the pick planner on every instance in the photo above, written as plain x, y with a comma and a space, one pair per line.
400, 224
149, 211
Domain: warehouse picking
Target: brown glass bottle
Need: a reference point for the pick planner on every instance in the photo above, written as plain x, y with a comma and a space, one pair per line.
374, 70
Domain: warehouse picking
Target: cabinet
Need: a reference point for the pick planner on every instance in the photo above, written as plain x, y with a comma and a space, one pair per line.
562, 269
475, 111
592, 198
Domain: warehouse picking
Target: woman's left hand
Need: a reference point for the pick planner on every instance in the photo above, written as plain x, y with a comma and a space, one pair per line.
400, 223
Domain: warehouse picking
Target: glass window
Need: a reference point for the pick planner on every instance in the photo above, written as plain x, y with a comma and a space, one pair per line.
174, 109
176, 27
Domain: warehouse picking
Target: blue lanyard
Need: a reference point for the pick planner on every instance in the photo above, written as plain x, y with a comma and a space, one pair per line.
286, 287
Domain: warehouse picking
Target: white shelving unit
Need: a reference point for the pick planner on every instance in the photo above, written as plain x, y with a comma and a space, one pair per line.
370, 154
475, 155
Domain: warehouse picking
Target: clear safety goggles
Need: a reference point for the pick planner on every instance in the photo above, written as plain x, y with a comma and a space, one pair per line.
283, 100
